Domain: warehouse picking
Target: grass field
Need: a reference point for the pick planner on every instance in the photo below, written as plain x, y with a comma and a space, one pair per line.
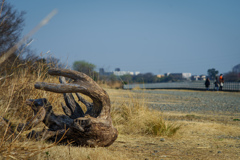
208, 135
150, 124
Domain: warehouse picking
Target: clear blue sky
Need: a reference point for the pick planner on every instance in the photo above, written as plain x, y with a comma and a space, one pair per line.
155, 36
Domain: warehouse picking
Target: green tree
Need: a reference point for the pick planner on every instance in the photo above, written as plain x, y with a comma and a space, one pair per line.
127, 78
85, 67
145, 78
166, 79
212, 73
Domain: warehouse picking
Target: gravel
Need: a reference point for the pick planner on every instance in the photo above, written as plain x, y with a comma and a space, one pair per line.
193, 101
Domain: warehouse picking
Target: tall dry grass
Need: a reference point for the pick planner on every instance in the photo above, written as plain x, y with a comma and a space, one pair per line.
18, 87
131, 116
15, 89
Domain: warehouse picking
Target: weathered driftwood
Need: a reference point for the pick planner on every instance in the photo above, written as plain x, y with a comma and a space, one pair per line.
92, 128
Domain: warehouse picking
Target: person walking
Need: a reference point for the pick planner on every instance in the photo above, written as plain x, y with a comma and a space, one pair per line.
207, 83
216, 84
221, 81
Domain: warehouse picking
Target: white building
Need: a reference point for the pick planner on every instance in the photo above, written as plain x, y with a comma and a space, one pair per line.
121, 73
186, 75
179, 75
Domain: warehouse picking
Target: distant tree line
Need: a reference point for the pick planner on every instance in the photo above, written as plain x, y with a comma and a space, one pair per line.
232, 76
89, 69
146, 78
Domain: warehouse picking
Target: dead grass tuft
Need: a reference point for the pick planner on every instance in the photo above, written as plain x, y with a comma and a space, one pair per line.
134, 117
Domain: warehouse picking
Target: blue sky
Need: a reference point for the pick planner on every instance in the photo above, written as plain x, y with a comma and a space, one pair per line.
155, 36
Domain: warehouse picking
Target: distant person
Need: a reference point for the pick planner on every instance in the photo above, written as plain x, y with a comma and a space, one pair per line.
216, 84
221, 81
207, 83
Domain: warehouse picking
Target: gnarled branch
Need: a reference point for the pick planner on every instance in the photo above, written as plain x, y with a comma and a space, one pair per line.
92, 128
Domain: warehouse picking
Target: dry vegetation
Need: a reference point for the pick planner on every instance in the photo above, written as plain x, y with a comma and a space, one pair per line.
131, 116
201, 136
144, 133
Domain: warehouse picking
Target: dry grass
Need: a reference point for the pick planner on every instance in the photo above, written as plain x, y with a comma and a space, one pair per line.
201, 136
15, 89
77, 153
140, 128
114, 84
131, 116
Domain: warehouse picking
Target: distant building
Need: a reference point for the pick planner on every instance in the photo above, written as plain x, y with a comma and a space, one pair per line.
137, 73
103, 73
195, 77
160, 76
167, 74
186, 75
203, 77
198, 78
117, 72
179, 75
121, 73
